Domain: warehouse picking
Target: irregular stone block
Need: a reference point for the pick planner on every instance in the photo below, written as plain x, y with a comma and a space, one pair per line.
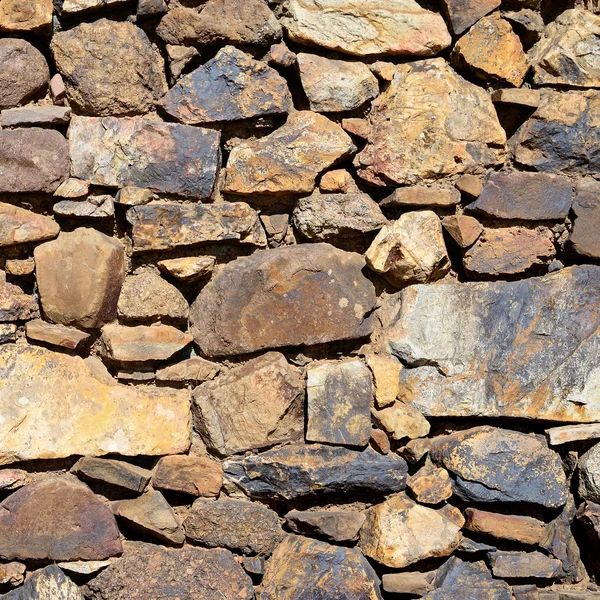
386, 374
589, 474
305, 294
586, 208
25, 15
113, 472
12, 574
72, 188
463, 13
188, 268
20, 268
470, 184
16, 305
164, 157
191, 370
464, 230
93, 207
49, 583
8, 333
194, 475
21, 226
72, 7
55, 335
523, 565
401, 421
572, 433
420, 195
520, 97
332, 525
525, 530
28, 116
430, 484
408, 583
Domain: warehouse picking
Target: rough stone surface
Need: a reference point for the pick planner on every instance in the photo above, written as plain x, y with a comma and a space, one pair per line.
367, 27
463, 229
332, 525
429, 123
21, 226
16, 305
258, 404
586, 209
164, 157
408, 583
386, 374
523, 97
19, 267
572, 433
401, 421
55, 335
430, 484
420, 195
72, 188
8, 332
49, 583
26, 15
194, 475
28, 116
113, 472
12, 574
192, 370
235, 312
188, 268
589, 475
521, 564
93, 207
70, 412
463, 13
526, 530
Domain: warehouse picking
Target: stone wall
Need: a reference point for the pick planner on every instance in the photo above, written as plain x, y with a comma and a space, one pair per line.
299, 300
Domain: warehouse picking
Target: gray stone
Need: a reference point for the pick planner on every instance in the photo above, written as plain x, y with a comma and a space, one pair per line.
32, 116
93, 207
589, 475
332, 525
519, 565
116, 473
8, 333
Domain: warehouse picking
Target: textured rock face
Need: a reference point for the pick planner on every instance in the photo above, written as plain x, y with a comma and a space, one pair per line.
509, 317
586, 208
26, 15
113, 472
463, 13
456, 131
47, 584
55, 335
20, 226
194, 475
334, 525
589, 475
367, 28
256, 288
521, 529
15, 305
54, 407
521, 564
163, 157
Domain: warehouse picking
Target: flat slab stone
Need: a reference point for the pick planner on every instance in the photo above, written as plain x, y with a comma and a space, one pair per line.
25, 15
113, 472
164, 157
304, 294
332, 525
524, 349
20, 226
194, 475
524, 565
53, 407
28, 116
55, 335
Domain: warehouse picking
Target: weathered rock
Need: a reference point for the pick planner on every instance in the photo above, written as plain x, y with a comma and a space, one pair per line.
520, 97
72, 7
361, 128
562, 58
332, 525
131, 195
463, 13
323, 217
391, 527
339, 396
572, 433
525, 196
335, 85
523, 564
492, 51
463, 229
46, 584
277, 227
24, 70
430, 484
151, 514
401, 420
281, 56
147, 296
72, 188
586, 208
420, 195
164, 157
57, 519
188, 268
430, 123
170, 225
410, 250
12, 574
230, 87
239, 525
300, 470
8, 333
115, 473
386, 373
338, 181
142, 343
21, 226
85, 567
289, 159
249, 306
79, 276
194, 475
15, 304
589, 475
93, 207
232, 21
528, 23
32, 160
254, 405
208, 574
28, 15
526, 530
380, 441
300, 565
415, 450
367, 27
509, 251
28, 116
523, 349
179, 57
151, 8
12, 479
58, 91
191, 370
19, 267
470, 185
109, 68
499, 465
55, 335
54, 407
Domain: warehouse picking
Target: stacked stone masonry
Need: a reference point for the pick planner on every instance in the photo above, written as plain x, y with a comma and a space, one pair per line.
299, 299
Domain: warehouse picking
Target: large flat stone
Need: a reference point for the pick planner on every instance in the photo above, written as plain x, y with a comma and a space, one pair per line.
525, 349
164, 157
53, 407
305, 294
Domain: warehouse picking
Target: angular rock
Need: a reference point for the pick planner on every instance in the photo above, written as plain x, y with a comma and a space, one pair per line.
28, 116
147, 296
525, 196
15, 304
492, 51
49, 583
380, 441
300, 470
189, 268
469, 184
300, 565
239, 525
509, 251
281, 56
463, 13
192, 370
179, 58
335, 85
322, 217
85, 567
26, 15
55, 335
522, 349
332, 525
208, 574
115, 473
401, 420
250, 306
231, 21
523, 565
391, 527
20, 268
93, 207
572, 433
194, 475
520, 97
134, 196
525, 530
386, 374
254, 405
57, 519
429, 123
151, 8
289, 159
54, 407
499, 465
58, 91
568, 51
167, 226
410, 250
142, 343
420, 195
528, 23
32, 160
164, 157
109, 68
79, 276
463, 229
72, 188
151, 514
430, 484
589, 475
408, 583
586, 208
230, 87
8, 333
21, 226
367, 27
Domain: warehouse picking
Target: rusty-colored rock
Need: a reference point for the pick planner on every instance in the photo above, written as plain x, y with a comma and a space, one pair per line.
188, 268
386, 373
25, 15
463, 13
401, 421
523, 97
420, 195
194, 475
463, 229
15, 304
526, 530
20, 226
430, 484
55, 335
192, 370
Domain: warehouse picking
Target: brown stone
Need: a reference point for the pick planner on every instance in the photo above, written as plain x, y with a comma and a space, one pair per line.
470, 185
586, 208
518, 97
20, 226
55, 335
402, 420
332, 525
361, 128
430, 484
380, 441
526, 530
115, 473
191, 370
194, 475
415, 450
72, 188
25, 15
131, 195
338, 181
463, 229
519, 565
420, 195
15, 304
281, 56
248, 306
79, 276
572, 433
463, 13
386, 373
430, 123
251, 406
20, 268
57, 519
35, 116
188, 268
12, 479
408, 583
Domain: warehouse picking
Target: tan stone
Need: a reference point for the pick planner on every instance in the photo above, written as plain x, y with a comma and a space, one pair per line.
131, 195
470, 184
72, 188
463, 229
526, 530
21, 226
192, 370
8, 333
402, 420
188, 268
408, 583
338, 181
12, 574
194, 475
430, 484
380, 441
519, 97
55, 335
25, 15
572, 433
20, 268
386, 373
420, 195
358, 127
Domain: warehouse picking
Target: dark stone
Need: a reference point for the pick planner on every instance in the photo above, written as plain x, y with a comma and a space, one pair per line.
332, 525
584, 239
300, 470
15, 304
463, 13
46, 584
523, 565
588, 518
113, 472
